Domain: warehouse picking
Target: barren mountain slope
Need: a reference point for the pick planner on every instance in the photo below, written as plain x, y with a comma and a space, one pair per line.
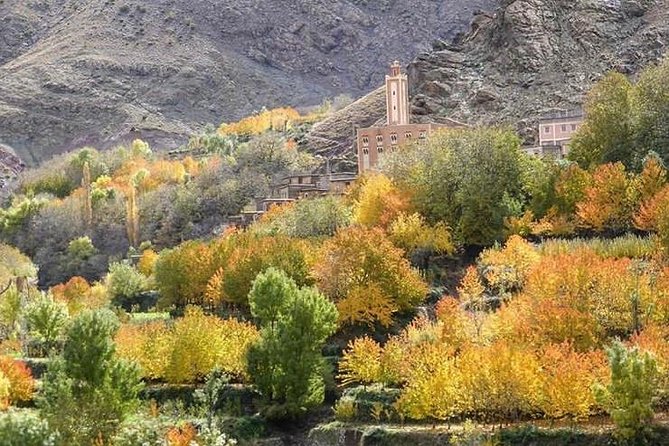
526, 59
95, 72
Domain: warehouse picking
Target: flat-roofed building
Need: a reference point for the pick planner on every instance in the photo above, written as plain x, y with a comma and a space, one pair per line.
374, 142
556, 131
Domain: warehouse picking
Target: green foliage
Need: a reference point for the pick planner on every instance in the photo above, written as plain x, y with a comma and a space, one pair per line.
625, 121
124, 284
46, 320
25, 429
315, 217
88, 392
468, 179
606, 135
81, 248
629, 396
286, 365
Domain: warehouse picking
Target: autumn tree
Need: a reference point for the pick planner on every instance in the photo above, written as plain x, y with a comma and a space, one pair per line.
379, 201
367, 276
608, 202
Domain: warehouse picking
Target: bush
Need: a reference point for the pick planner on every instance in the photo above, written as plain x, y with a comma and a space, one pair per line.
21, 382
88, 392
629, 396
189, 349
25, 429
124, 285
46, 319
202, 343
286, 364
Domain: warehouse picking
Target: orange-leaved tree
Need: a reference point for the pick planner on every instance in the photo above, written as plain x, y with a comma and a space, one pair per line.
359, 262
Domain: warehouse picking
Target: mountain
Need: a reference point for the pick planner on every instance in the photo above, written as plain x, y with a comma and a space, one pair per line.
526, 59
102, 71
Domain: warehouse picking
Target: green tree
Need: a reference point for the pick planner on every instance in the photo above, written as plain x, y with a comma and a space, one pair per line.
124, 284
286, 364
651, 111
629, 396
470, 179
46, 320
88, 391
607, 134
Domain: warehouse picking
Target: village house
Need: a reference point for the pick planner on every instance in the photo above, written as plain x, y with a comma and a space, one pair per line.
373, 142
555, 133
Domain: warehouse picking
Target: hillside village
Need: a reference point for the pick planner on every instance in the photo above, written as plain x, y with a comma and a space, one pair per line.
476, 252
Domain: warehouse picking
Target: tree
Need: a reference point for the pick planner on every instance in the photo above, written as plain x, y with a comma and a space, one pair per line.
379, 201
606, 135
88, 391
124, 284
629, 396
47, 320
368, 277
286, 364
608, 202
469, 179
651, 111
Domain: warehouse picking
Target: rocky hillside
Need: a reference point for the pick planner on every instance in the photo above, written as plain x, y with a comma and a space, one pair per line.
100, 71
526, 59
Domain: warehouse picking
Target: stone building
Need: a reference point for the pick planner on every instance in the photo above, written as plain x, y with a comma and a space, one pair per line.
373, 142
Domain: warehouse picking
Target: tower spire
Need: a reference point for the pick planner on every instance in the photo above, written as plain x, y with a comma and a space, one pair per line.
397, 96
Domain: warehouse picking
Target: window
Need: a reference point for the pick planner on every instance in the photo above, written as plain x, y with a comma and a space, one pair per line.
407, 135
379, 139
365, 141
564, 127
547, 129
422, 134
379, 149
365, 151
299, 180
393, 138
573, 127
394, 107
393, 92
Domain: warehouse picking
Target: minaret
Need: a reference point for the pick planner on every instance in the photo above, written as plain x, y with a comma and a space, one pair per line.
397, 96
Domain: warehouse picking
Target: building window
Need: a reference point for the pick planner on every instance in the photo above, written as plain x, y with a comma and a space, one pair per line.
379, 139
564, 127
365, 151
299, 180
365, 141
379, 149
573, 127
547, 129
407, 135
393, 92
393, 138
394, 107
422, 134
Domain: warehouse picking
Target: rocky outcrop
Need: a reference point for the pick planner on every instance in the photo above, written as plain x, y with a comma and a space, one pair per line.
529, 58
533, 57
98, 72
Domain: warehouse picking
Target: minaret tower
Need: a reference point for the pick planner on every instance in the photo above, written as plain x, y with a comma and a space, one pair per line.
397, 96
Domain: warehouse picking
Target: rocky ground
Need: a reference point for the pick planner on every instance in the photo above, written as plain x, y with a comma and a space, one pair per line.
101, 71
524, 60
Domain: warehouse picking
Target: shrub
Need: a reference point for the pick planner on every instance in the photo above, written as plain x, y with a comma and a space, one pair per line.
25, 429
88, 392
358, 264
202, 343
124, 284
21, 382
629, 396
189, 349
286, 364
47, 319
361, 362
148, 344
505, 270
